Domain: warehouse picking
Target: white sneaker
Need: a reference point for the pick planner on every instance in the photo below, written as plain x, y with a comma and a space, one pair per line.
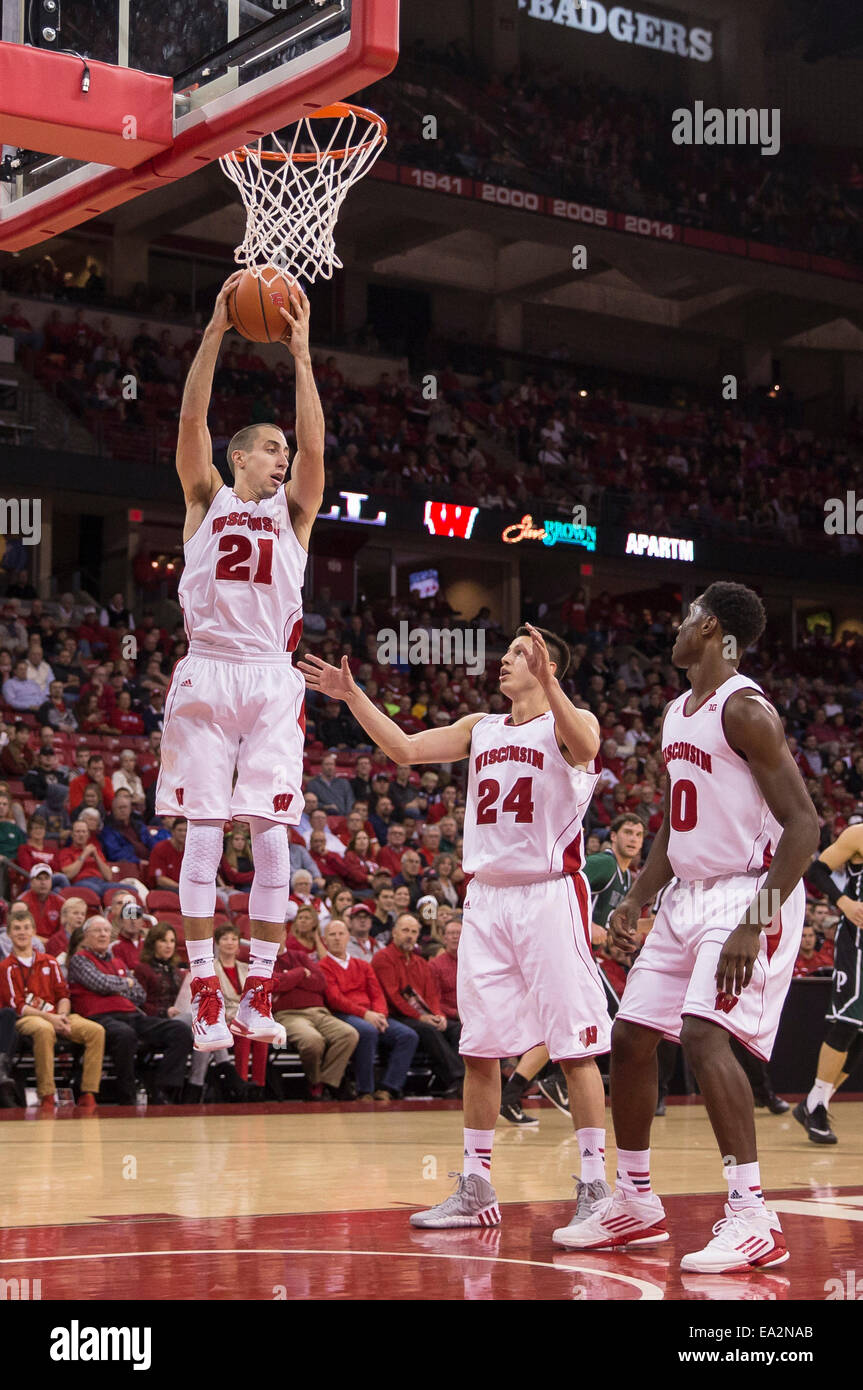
747, 1239
587, 1195
254, 1017
209, 1027
474, 1203
615, 1223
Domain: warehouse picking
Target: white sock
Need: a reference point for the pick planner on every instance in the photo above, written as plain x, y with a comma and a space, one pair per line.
633, 1172
201, 958
262, 955
819, 1095
744, 1186
591, 1148
477, 1152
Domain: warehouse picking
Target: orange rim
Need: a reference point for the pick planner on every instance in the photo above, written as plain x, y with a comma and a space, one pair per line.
338, 110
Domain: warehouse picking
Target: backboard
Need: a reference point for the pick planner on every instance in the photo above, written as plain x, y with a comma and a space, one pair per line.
240, 68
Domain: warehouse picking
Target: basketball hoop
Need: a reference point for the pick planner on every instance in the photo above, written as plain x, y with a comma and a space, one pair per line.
293, 193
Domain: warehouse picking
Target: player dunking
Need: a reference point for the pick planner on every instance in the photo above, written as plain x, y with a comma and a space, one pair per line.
236, 699
526, 973
719, 959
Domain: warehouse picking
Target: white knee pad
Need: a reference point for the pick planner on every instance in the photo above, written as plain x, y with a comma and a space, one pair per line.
199, 868
268, 899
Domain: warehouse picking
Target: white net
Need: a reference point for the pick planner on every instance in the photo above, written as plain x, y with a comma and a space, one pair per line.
293, 191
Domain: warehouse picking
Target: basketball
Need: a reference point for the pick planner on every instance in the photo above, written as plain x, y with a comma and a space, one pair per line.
254, 307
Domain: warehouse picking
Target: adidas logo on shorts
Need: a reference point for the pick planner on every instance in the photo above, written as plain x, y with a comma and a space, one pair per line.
186, 682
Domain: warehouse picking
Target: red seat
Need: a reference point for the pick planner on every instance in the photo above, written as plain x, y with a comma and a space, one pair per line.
243, 952
239, 902
222, 919
175, 920
241, 922
163, 900
111, 893
130, 868
87, 895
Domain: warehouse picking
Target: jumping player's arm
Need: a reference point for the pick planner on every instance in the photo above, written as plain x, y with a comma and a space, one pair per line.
753, 729
305, 491
848, 846
428, 746
199, 477
576, 730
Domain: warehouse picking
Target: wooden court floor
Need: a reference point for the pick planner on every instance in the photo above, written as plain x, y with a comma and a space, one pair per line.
312, 1202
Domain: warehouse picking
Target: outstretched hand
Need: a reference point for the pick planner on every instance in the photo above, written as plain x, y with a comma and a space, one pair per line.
537, 660
335, 681
220, 319
296, 316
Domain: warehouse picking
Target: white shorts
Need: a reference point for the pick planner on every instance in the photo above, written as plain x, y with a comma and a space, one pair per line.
526, 973
225, 712
675, 974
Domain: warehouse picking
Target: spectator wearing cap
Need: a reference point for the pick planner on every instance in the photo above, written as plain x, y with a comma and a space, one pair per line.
166, 858
355, 996
334, 793
45, 775
412, 996
32, 983
103, 989
362, 945
95, 776
83, 862
17, 758
44, 904
20, 691
325, 1043
444, 968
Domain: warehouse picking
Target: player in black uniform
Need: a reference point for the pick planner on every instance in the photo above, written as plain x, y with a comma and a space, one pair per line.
843, 1041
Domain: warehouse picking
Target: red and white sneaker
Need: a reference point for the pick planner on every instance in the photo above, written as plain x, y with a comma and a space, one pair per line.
747, 1239
254, 1018
209, 1025
616, 1223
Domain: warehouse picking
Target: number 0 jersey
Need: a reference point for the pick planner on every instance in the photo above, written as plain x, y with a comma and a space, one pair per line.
525, 803
719, 823
240, 589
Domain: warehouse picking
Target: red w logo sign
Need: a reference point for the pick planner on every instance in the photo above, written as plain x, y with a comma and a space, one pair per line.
587, 1036
179, 794
282, 801
725, 1002
449, 519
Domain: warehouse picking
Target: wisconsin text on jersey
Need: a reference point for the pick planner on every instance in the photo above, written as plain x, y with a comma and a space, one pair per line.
247, 519
508, 754
689, 753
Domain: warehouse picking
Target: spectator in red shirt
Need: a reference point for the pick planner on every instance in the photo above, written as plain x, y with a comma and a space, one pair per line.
129, 924
39, 899
124, 718
150, 759
82, 861
159, 970
325, 1043
810, 960
237, 867
429, 847
37, 852
359, 861
390, 856
72, 914
355, 997
166, 857
305, 934
444, 968
412, 996
328, 865
95, 774
32, 983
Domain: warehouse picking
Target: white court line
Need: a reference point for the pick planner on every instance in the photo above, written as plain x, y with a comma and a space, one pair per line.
647, 1290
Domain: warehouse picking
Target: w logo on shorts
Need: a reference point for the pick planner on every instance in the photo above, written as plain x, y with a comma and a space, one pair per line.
725, 1002
282, 801
587, 1036
179, 796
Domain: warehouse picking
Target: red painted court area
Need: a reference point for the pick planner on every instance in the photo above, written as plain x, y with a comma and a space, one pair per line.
376, 1255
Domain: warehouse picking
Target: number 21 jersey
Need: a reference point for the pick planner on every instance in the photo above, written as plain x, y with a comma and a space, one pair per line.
719, 823
525, 803
240, 590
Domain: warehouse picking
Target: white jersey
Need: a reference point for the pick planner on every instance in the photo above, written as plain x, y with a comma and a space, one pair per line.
719, 823
240, 590
525, 803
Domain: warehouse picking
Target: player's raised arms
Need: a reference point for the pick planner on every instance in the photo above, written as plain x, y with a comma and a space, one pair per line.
428, 746
199, 477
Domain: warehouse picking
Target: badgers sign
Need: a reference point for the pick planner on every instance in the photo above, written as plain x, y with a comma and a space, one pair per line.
627, 26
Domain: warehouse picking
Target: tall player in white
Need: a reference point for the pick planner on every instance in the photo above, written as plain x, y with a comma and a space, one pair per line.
236, 699
739, 832
526, 973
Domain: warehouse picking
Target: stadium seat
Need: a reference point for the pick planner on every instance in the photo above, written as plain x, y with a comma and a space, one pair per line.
239, 902
111, 893
86, 894
241, 922
163, 900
